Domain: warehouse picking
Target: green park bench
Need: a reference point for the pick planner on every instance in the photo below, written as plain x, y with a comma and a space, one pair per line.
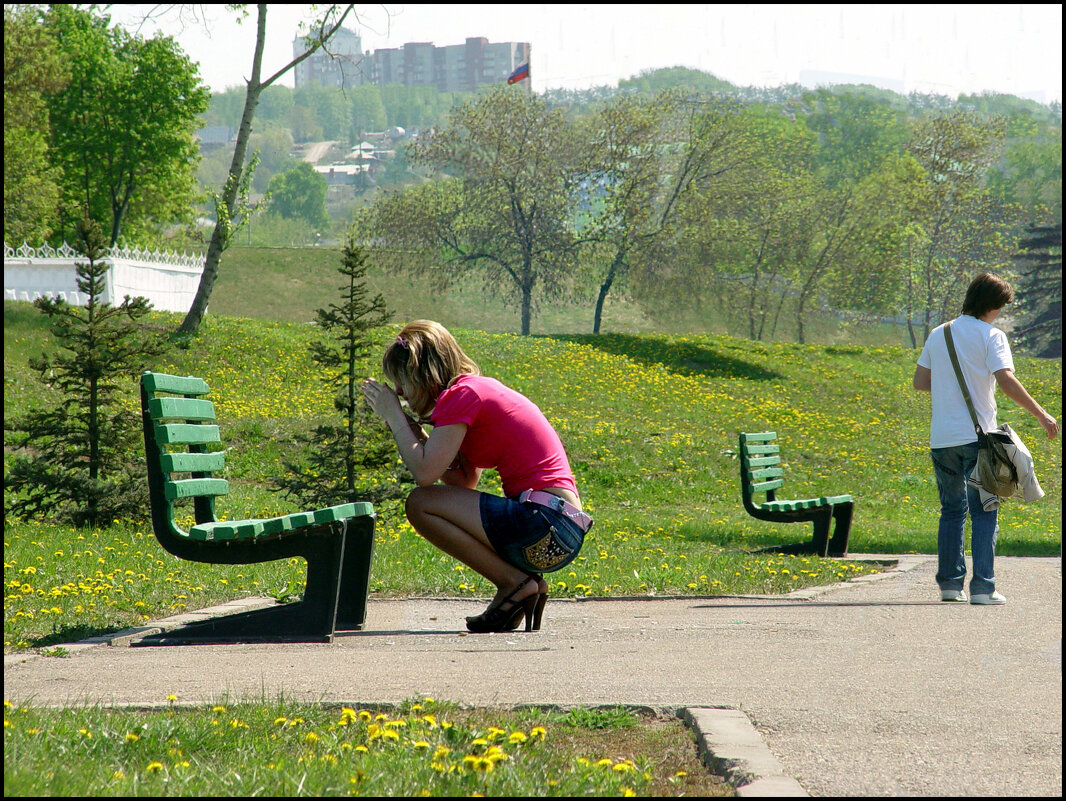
337, 542
761, 472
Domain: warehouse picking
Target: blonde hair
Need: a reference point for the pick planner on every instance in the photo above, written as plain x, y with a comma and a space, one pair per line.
424, 360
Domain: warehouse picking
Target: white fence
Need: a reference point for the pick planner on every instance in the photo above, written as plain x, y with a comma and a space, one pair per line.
167, 280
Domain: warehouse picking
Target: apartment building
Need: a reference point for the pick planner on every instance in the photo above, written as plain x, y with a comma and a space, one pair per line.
453, 68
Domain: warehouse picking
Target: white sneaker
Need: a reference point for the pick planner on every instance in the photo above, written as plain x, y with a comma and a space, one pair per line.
953, 595
994, 598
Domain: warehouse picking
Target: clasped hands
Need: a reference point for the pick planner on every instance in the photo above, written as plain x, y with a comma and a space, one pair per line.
385, 403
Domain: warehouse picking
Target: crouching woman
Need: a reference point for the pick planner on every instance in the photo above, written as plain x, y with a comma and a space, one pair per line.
478, 423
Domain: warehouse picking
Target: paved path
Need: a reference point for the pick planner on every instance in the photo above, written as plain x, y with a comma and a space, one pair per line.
868, 688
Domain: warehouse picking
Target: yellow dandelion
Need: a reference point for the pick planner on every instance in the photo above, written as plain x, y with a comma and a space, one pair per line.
154, 767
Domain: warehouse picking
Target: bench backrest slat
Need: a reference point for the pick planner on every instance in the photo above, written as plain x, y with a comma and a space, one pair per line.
760, 465
766, 472
181, 409
763, 449
186, 434
764, 461
192, 462
765, 486
178, 433
174, 384
196, 487
762, 436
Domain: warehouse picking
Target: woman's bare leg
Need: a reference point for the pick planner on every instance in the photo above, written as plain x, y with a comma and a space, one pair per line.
450, 519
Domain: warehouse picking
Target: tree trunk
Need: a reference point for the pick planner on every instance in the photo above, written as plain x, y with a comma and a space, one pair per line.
605, 287
220, 235
527, 302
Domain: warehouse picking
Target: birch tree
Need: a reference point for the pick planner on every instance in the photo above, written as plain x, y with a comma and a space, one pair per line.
231, 208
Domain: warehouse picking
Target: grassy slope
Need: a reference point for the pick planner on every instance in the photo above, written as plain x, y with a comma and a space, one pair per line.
289, 284
651, 421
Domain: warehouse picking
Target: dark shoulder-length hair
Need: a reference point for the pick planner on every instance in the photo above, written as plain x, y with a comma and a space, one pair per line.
986, 293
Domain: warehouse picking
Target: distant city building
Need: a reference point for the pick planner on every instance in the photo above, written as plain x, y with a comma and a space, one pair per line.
454, 68
340, 66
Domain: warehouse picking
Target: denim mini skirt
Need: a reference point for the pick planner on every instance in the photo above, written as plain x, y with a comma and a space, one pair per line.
529, 536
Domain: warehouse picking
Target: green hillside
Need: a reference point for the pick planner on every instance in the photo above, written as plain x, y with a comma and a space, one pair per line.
288, 284
650, 423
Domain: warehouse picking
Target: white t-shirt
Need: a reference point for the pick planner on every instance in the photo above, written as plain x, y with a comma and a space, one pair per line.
982, 350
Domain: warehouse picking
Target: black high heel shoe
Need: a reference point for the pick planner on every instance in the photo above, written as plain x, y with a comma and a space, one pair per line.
538, 610
507, 615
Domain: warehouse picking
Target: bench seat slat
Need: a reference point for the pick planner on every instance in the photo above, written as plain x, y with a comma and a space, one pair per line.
252, 529
762, 449
226, 530
805, 503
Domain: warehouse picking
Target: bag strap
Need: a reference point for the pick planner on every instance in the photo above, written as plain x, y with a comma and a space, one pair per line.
962, 381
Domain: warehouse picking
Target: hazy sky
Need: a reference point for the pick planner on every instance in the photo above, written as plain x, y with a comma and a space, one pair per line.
947, 49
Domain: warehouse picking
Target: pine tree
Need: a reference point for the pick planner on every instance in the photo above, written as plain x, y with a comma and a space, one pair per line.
340, 462
77, 460
1039, 329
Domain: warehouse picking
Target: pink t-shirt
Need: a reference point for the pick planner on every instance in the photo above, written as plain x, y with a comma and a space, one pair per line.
505, 431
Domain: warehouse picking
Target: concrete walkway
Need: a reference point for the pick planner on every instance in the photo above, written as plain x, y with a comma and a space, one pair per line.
868, 688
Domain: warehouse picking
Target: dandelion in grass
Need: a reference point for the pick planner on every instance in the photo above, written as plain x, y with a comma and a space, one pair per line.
154, 767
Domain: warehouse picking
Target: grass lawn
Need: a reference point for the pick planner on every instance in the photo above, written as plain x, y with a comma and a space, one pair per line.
425, 747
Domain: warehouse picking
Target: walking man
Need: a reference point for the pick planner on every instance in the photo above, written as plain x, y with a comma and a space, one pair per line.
985, 358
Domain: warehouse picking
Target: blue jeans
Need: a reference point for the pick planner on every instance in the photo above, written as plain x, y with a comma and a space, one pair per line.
952, 465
